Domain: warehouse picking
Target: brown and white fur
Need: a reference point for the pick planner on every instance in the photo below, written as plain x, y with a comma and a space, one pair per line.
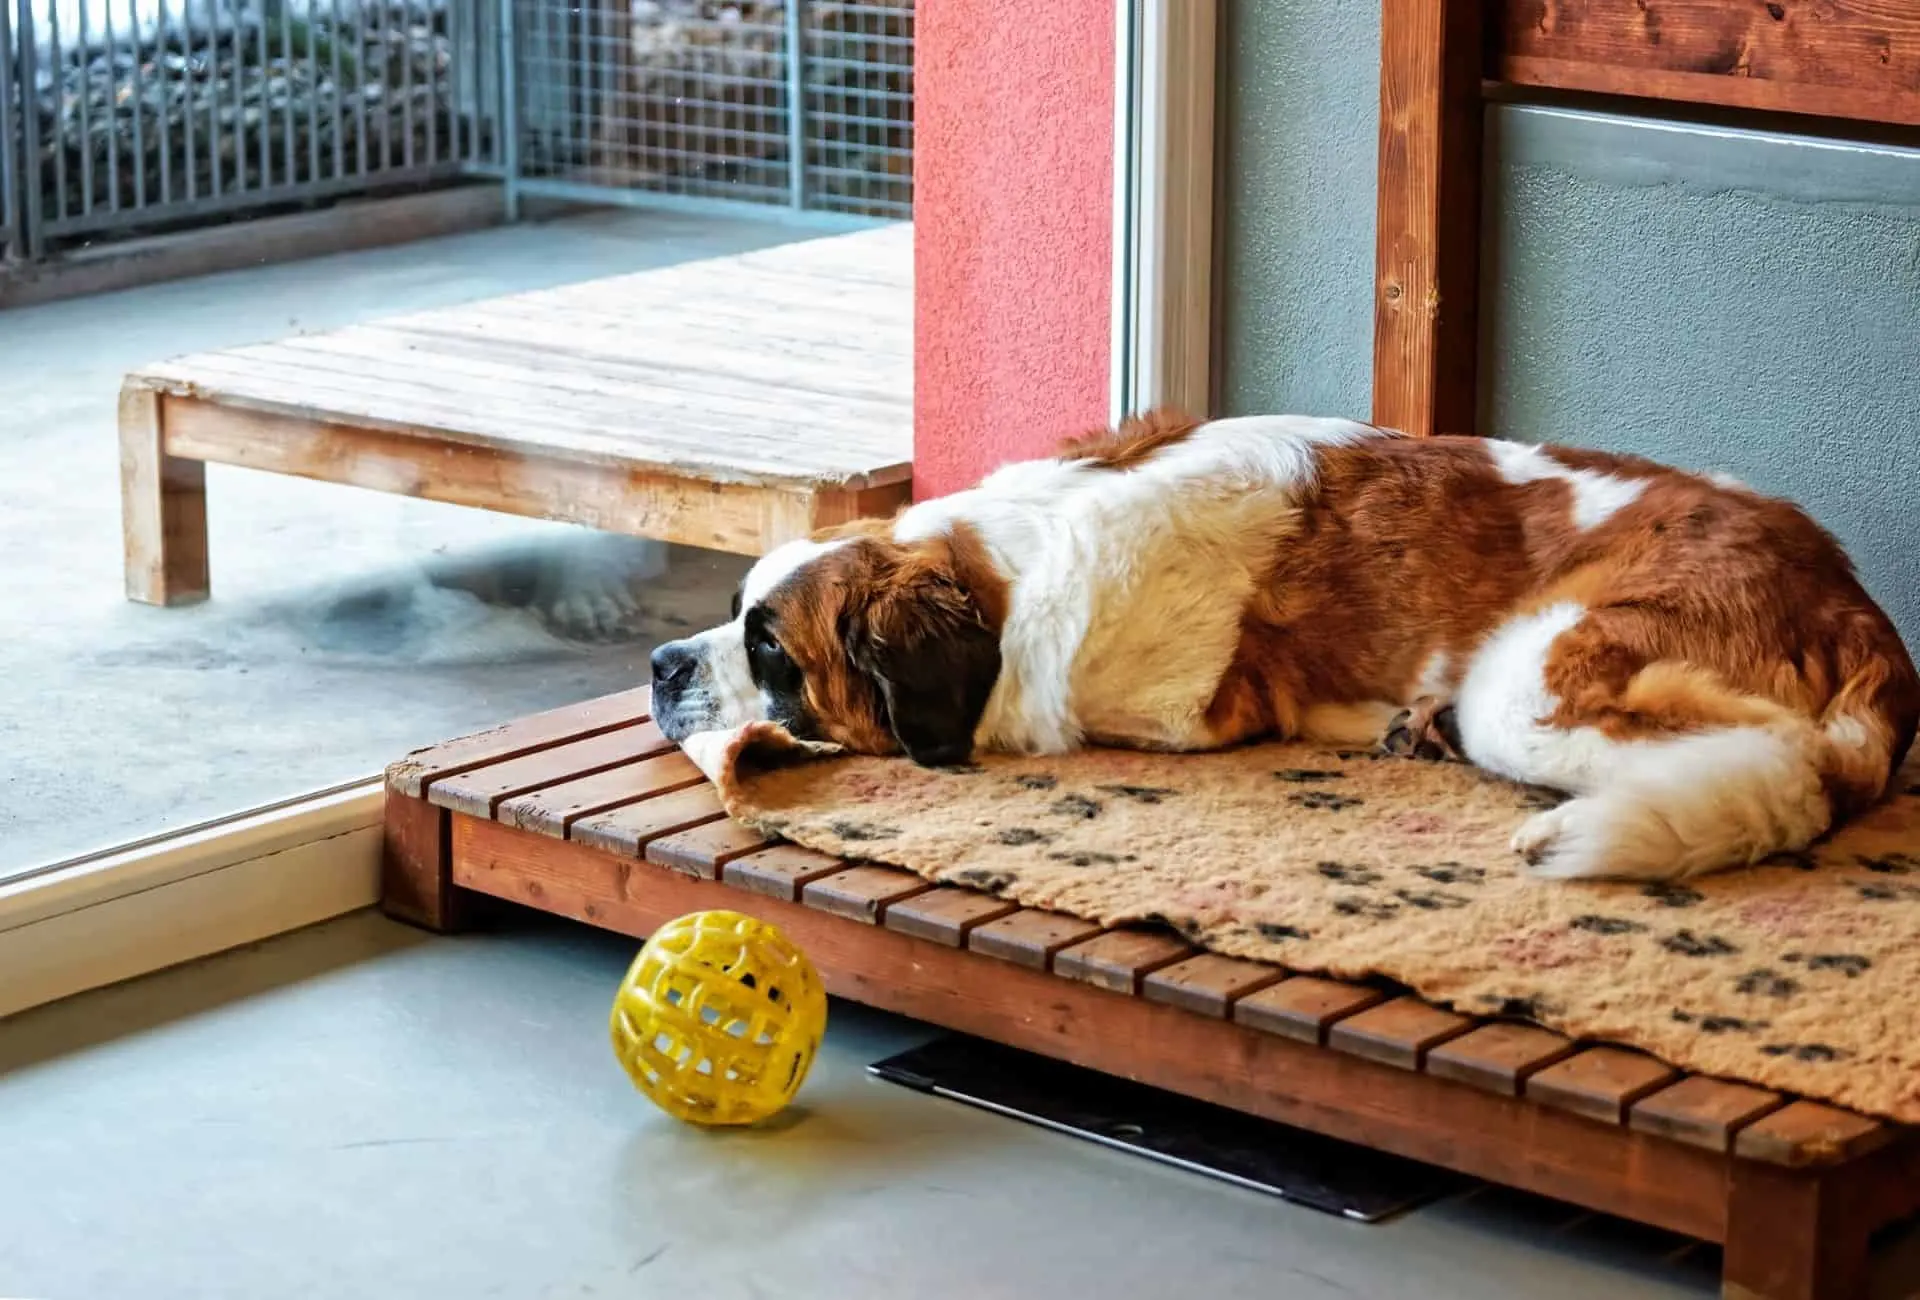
1695, 662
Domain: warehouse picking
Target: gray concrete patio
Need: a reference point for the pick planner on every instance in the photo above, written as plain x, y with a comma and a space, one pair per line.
346, 626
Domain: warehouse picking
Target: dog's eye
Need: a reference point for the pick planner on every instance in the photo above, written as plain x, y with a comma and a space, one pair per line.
767, 659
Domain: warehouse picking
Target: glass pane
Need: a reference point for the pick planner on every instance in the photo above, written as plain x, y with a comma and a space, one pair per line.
347, 625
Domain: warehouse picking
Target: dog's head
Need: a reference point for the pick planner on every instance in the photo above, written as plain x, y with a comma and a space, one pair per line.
879, 645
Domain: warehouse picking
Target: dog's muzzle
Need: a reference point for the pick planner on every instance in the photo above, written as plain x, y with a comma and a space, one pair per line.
676, 667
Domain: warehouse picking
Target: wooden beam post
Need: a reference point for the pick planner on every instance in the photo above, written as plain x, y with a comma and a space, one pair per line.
1427, 253
163, 508
416, 884
1793, 1234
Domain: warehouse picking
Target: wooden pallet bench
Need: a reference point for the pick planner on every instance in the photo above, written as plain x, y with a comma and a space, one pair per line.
731, 404
589, 812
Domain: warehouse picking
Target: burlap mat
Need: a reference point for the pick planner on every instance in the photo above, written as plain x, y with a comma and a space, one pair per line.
1801, 976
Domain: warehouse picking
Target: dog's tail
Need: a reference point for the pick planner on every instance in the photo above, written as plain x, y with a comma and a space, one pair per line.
1868, 726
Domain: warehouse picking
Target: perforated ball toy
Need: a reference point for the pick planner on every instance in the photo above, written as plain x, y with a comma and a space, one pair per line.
718, 1018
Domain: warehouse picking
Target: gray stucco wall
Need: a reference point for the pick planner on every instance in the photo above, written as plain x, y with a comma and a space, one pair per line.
1300, 113
1717, 299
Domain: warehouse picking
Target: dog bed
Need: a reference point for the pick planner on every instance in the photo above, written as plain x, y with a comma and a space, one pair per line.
1794, 975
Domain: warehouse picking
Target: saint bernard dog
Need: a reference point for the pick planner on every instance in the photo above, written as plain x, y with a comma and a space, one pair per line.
1694, 662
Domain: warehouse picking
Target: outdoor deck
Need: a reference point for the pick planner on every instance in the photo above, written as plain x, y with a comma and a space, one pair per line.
730, 404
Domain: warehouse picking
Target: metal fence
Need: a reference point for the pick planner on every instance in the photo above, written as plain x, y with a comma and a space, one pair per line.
124, 117
140, 115
807, 104
10, 142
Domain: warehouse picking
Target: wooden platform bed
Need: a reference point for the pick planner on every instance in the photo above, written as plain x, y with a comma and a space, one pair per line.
588, 812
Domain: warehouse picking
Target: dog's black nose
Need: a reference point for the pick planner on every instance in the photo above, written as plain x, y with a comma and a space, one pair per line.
672, 664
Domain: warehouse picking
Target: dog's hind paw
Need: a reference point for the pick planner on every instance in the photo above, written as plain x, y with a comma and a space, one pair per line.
1429, 730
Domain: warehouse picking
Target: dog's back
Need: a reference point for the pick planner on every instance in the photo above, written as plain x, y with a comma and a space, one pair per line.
1697, 660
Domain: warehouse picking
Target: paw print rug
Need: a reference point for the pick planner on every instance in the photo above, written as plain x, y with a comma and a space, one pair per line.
1802, 974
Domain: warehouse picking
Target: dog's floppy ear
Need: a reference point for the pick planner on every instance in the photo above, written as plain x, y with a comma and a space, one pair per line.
924, 643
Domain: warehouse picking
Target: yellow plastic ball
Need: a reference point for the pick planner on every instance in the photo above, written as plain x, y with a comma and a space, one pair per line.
719, 1018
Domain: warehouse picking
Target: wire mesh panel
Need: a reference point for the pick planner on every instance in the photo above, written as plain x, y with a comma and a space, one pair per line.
10, 141
694, 100
140, 115
859, 107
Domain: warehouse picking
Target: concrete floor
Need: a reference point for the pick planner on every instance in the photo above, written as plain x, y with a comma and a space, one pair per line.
359, 1110
346, 626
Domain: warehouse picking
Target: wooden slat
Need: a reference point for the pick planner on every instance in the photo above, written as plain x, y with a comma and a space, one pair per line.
478, 791
1611, 1169
946, 915
878, 319
1397, 1033
744, 284
628, 829
1427, 233
1119, 959
1208, 984
551, 809
1841, 58
882, 273
1706, 1112
566, 329
1600, 1082
692, 350
704, 850
779, 872
544, 878
719, 447
873, 371
883, 279
411, 774
562, 391
835, 374
1029, 937
862, 893
1806, 1133
698, 506
1304, 1007
1499, 1057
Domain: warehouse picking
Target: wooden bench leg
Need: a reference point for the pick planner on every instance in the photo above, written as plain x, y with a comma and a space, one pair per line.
163, 509
1793, 1235
416, 866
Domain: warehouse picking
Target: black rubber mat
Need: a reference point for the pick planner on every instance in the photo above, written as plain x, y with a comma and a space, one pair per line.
1322, 1172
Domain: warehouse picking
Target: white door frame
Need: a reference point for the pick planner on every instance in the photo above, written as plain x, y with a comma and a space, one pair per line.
94, 920
1163, 134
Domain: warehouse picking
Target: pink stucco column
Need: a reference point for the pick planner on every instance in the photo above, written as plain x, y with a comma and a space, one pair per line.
1013, 203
